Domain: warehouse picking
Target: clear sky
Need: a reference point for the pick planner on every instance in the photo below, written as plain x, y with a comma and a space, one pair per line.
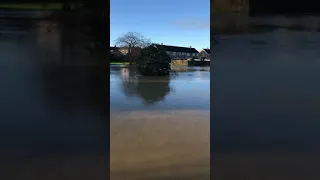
171, 22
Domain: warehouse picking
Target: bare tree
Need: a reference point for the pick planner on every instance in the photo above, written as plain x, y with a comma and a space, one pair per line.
132, 40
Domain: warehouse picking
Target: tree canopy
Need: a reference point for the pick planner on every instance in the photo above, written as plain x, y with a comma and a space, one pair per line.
154, 61
132, 40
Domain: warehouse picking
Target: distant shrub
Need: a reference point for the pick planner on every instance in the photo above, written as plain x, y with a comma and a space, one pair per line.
116, 58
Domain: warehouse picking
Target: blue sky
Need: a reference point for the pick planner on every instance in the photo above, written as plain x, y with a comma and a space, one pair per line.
171, 22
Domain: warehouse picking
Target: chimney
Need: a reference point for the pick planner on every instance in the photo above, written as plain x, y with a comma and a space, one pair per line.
190, 47
115, 45
161, 44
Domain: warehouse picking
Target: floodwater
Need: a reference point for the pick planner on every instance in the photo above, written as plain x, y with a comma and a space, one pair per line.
265, 105
160, 125
53, 118
185, 89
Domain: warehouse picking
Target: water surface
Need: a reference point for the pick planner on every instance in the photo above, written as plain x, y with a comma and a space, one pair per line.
53, 118
264, 108
187, 88
160, 125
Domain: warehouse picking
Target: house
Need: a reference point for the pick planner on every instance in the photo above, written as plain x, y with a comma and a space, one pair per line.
205, 53
135, 52
115, 51
176, 52
125, 50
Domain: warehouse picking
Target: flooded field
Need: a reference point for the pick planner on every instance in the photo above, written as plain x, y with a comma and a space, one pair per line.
187, 89
160, 125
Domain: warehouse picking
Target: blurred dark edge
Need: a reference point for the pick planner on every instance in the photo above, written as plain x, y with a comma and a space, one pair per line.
102, 82
258, 8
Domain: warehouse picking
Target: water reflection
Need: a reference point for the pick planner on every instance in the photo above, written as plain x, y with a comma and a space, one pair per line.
158, 89
149, 89
189, 68
186, 88
155, 117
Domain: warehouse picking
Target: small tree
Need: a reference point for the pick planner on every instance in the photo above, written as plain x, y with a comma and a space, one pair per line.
132, 40
154, 61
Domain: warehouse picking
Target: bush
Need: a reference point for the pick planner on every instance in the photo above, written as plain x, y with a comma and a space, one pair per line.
154, 62
116, 58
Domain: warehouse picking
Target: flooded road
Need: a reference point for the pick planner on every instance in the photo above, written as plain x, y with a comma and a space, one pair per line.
160, 125
53, 119
264, 108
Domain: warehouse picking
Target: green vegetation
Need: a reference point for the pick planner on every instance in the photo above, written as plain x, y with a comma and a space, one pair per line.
154, 62
150, 60
134, 42
120, 63
32, 6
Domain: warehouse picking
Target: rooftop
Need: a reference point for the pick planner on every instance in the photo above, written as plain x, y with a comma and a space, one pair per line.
207, 50
177, 48
113, 48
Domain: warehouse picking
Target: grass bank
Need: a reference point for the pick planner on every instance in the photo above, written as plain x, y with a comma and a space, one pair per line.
121, 63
